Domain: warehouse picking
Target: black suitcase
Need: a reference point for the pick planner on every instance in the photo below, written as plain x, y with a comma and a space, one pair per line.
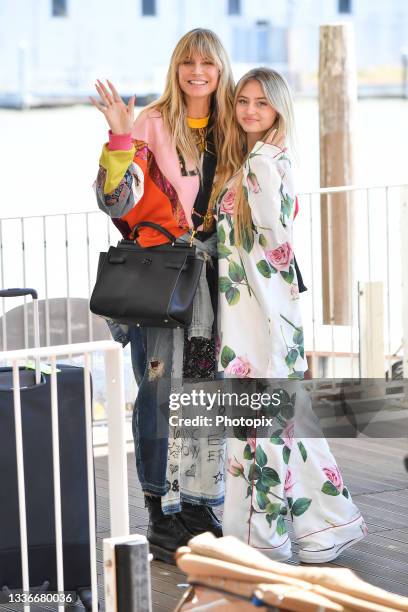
38, 472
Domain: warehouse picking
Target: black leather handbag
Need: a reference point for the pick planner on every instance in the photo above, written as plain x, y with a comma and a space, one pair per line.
147, 286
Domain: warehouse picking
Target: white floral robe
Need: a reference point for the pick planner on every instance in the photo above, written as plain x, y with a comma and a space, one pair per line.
261, 336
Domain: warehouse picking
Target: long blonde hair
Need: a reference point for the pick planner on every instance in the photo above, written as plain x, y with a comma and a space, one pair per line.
172, 105
234, 149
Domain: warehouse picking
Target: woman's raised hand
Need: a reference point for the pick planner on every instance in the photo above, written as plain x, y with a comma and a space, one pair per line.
273, 138
118, 115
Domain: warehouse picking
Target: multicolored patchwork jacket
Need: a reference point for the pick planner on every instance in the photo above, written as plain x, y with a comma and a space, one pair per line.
142, 178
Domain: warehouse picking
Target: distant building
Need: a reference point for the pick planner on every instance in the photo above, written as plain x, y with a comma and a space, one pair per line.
56, 48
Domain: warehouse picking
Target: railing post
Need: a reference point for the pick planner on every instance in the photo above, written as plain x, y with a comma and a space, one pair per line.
404, 275
117, 458
371, 326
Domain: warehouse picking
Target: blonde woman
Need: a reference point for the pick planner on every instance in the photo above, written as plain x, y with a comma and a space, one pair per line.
160, 168
261, 336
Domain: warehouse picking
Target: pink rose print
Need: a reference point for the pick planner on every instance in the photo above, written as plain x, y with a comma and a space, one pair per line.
287, 434
227, 203
253, 184
252, 441
288, 482
239, 367
333, 474
235, 468
280, 257
294, 291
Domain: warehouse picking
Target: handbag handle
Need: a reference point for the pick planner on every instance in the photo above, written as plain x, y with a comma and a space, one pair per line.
155, 226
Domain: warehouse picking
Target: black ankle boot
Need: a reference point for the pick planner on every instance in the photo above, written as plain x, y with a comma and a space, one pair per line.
198, 519
165, 532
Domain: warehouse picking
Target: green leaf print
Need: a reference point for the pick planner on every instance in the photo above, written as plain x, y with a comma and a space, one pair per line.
302, 450
249, 492
288, 411
296, 375
291, 357
281, 526
286, 454
236, 272
273, 510
260, 456
248, 454
270, 477
276, 437
284, 397
223, 251
262, 240
286, 205
261, 486
221, 236
227, 355
288, 276
298, 336
300, 506
232, 296
270, 519
330, 489
302, 352
264, 268
232, 237
224, 283
271, 410
345, 493
254, 472
248, 240
262, 499
245, 190
290, 502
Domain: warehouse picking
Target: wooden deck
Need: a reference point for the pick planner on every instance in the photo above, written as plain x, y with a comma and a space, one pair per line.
378, 481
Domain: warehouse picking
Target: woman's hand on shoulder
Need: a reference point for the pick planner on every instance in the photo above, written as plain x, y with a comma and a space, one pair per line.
120, 117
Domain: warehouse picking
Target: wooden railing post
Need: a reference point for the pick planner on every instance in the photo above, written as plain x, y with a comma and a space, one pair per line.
337, 110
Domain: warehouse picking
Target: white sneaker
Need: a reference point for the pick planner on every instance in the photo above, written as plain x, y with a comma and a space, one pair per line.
280, 553
324, 555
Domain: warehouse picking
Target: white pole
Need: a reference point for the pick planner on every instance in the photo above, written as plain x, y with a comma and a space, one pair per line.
91, 481
20, 480
57, 480
404, 274
117, 459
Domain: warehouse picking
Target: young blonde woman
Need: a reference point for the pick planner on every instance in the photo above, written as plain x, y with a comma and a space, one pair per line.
160, 168
261, 336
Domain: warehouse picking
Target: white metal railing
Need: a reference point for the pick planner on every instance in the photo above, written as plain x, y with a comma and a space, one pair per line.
378, 251
117, 463
58, 255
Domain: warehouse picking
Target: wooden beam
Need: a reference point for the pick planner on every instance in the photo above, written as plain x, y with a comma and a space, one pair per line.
371, 325
337, 109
